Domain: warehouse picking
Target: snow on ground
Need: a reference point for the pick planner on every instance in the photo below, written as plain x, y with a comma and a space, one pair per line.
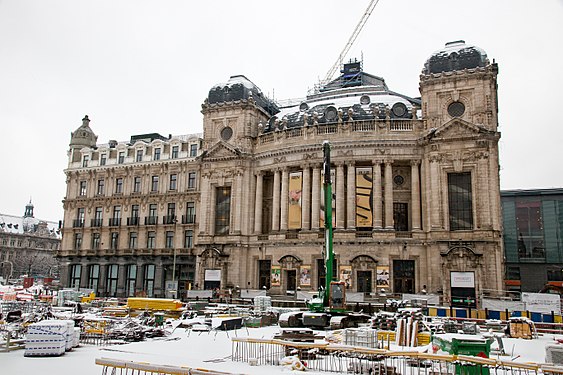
209, 350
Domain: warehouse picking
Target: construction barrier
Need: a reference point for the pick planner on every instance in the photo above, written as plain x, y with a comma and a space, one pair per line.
466, 313
359, 360
116, 366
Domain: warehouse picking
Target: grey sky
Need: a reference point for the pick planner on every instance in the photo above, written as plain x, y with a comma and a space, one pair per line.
140, 66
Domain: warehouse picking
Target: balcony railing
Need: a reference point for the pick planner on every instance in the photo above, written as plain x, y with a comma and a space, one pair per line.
188, 219
114, 222
169, 219
151, 220
133, 220
96, 223
78, 223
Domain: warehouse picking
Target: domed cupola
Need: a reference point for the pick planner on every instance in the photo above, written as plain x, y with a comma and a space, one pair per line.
240, 88
455, 56
83, 136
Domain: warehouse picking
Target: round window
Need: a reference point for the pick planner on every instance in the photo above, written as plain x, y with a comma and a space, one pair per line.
456, 109
226, 133
365, 100
331, 113
398, 180
399, 109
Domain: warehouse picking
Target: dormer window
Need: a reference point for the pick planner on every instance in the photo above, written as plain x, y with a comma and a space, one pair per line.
121, 157
103, 159
85, 160
174, 154
193, 150
139, 156
156, 154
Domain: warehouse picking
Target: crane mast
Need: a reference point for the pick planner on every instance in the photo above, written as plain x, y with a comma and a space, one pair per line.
351, 41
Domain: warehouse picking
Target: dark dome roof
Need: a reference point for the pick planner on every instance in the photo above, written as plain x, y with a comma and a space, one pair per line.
240, 88
455, 56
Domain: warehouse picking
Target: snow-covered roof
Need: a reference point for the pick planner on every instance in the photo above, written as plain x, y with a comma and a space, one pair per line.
455, 56
29, 225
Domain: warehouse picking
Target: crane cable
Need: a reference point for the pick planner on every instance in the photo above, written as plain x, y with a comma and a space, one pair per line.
351, 41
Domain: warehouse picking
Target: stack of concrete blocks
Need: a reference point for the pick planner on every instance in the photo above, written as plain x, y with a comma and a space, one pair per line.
76, 337
263, 303
46, 338
363, 337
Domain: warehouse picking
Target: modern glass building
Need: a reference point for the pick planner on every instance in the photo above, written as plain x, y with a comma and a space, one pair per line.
533, 238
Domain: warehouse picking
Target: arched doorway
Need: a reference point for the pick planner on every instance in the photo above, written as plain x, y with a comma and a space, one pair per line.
365, 267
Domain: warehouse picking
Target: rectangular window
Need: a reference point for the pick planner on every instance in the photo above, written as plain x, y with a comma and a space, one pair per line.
174, 154
97, 222
169, 239
75, 272
133, 240
156, 154
103, 159
77, 241
152, 209
400, 216
79, 222
134, 210
82, 188
121, 157
190, 213
116, 217
85, 160
95, 241
460, 201
112, 275
119, 185
114, 240
130, 280
191, 180
173, 181
193, 150
139, 156
136, 184
189, 239
154, 183
151, 240
101, 186
264, 273
222, 210
529, 224
94, 277
148, 279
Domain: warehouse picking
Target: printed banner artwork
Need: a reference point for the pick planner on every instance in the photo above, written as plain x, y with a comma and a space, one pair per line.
276, 279
212, 275
382, 280
305, 276
322, 215
364, 188
294, 201
346, 275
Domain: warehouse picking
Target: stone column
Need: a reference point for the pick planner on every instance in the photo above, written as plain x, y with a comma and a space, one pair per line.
483, 186
340, 197
306, 199
377, 195
351, 197
238, 201
276, 202
204, 206
435, 217
415, 195
258, 200
316, 198
389, 194
283, 199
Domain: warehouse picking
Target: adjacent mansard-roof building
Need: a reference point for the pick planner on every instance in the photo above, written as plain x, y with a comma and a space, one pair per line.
415, 181
28, 245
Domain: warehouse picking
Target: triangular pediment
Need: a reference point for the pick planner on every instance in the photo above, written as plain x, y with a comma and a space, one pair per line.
458, 128
221, 150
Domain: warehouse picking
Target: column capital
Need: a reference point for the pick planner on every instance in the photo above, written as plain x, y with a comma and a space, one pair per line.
339, 163
377, 161
388, 161
351, 163
415, 162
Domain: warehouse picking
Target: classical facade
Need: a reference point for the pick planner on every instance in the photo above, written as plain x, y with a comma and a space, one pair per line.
28, 245
415, 181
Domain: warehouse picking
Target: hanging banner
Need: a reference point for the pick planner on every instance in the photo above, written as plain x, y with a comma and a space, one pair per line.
294, 200
322, 216
382, 280
364, 185
305, 276
545, 303
462, 279
276, 279
346, 275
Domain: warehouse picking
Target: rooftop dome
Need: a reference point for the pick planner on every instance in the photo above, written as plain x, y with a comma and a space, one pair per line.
240, 88
83, 136
455, 56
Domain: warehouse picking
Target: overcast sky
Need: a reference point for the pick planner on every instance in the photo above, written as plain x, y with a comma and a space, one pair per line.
146, 66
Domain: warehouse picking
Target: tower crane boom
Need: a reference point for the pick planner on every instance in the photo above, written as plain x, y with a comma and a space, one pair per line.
351, 41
